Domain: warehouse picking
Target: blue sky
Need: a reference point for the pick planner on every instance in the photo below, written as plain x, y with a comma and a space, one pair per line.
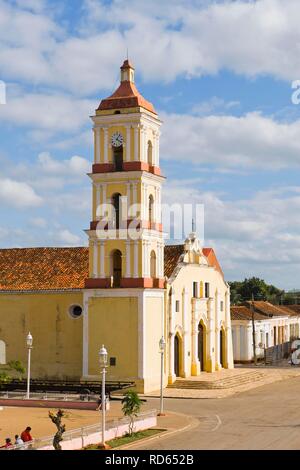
219, 74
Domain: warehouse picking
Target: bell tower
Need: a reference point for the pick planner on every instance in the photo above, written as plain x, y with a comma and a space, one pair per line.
125, 236
124, 293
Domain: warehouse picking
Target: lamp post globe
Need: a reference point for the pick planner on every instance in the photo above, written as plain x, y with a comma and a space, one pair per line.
162, 345
29, 340
103, 357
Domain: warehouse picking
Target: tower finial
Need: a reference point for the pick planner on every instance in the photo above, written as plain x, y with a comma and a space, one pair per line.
193, 225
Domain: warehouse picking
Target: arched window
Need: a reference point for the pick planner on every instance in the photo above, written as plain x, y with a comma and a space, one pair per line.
153, 264
116, 261
150, 153
118, 158
151, 207
2, 352
115, 200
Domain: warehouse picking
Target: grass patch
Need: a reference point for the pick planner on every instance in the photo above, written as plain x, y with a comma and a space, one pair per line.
121, 441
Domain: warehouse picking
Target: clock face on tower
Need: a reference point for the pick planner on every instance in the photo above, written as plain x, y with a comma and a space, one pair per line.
117, 139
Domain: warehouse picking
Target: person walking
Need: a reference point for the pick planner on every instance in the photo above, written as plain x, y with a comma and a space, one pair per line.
26, 436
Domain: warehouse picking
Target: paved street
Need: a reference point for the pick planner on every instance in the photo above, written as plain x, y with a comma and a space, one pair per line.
264, 418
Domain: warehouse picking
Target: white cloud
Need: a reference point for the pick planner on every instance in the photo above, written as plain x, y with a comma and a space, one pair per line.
76, 165
69, 238
249, 141
251, 38
18, 194
54, 113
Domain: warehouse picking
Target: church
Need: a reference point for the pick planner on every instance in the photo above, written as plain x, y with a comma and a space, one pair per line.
127, 289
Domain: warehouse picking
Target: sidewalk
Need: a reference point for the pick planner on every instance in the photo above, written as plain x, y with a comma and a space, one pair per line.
172, 423
268, 375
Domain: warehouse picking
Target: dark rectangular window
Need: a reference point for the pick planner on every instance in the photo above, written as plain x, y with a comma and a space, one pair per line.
195, 289
177, 306
112, 361
222, 306
207, 290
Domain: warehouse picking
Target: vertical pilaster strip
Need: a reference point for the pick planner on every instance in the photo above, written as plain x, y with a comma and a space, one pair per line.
102, 259
95, 259
85, 339
98, 200
157, 148
97, 144
228, 337
105, 144
136, 144
128, 267
128, 143
136, 259
171, 336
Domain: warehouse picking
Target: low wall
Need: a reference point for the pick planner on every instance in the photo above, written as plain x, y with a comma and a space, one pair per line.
78, 443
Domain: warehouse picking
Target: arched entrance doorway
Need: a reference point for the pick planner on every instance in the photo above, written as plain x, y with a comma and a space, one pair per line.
201, 345
176, 355
222, 348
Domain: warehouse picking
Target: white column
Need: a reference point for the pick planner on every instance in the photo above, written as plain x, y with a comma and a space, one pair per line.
157, 148
134, 199
95, 260
136, 259
128, 264
128, 144
158, 206
97, 144
98, 199
155, 205
145, 204
195, 369
104, 186
217, 331
129, 202
171, 337
136, 144
105, 144
144, 267
211, 336
142, 150
185, 331
228, 337
102, 259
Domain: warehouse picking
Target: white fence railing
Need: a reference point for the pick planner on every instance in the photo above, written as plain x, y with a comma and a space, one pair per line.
49, 396
114, 428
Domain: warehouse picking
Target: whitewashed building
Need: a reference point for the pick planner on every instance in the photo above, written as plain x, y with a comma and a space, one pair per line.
273, 325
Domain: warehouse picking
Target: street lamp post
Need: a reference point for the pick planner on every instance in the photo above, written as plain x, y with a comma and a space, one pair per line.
103, 365
29, 341
162, 347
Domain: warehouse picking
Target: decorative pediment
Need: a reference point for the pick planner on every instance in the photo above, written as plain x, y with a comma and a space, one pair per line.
193, 250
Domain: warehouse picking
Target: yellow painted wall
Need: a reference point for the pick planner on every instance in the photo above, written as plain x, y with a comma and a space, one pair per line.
57, 337
154, 308
113, 321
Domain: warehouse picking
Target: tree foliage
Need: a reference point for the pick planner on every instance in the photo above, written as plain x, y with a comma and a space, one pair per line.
131, 407
8, 369
255, 288
61, 428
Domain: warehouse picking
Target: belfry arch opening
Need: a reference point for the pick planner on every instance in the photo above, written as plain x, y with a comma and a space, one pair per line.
118, 158
116, 203
150, 153
153, 264
116, 268
151, 209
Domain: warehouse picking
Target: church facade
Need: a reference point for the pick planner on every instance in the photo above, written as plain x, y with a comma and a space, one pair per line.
127, 289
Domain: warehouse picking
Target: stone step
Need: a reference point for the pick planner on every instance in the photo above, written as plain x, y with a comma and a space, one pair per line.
227, 382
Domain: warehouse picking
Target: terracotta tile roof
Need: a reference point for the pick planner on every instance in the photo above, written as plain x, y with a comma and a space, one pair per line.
43, 268
173, 253
241, 312
126, 96
26, 269
267, 309
212, 259
293, 310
